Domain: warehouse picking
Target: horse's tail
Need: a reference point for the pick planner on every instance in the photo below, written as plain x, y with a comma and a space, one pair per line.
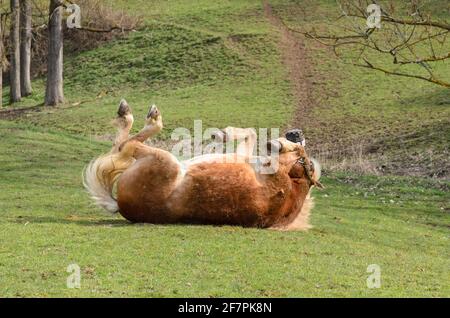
100, 176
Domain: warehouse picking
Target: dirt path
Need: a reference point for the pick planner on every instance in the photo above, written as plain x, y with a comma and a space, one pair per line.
295, 57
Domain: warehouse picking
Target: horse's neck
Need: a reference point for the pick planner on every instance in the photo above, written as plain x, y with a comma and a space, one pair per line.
277, 183
294, 214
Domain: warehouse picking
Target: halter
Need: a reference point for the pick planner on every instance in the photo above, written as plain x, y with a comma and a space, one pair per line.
309, 170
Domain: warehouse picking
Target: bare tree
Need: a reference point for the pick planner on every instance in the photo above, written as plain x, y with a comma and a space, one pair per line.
1, 63
25, 47
406, 35
15, 93
54, 93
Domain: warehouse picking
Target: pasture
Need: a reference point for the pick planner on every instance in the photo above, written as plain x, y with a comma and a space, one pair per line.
222, 62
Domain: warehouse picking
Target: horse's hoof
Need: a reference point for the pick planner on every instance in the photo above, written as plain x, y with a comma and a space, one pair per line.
124, 108
296, 135
153, 112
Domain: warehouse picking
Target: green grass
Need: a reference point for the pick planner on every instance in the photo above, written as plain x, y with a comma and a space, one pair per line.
48, 223
219, 61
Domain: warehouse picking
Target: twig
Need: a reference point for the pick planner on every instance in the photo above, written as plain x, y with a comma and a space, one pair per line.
429, 79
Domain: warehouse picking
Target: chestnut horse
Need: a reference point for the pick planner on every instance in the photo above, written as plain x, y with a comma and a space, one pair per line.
152, 186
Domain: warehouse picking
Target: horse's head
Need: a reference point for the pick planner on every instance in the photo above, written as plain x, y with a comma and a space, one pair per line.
294, 157
305, 167
304, 173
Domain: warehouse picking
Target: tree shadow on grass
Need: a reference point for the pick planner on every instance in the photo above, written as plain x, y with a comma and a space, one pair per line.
78, 220
119, 222
86, 221
435, 98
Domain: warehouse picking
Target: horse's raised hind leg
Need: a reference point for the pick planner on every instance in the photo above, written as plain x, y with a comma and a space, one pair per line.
123, 122
153, 125
102, 173
246, 138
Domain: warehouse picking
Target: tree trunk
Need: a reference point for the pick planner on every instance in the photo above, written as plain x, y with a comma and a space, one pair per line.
14, 39
1, 66
25, 47
54, 94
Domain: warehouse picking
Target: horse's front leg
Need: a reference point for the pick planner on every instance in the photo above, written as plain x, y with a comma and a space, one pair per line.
246, 138
282, 145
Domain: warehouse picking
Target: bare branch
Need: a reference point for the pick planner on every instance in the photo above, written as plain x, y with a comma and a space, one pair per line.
388, 72
402, 39
426, 59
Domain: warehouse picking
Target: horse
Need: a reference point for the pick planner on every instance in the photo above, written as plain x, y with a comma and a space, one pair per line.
152, 186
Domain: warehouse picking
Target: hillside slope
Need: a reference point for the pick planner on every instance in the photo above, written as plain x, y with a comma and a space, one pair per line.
364, 120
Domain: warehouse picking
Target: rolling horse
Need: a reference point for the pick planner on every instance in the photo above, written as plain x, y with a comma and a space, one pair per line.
148, 184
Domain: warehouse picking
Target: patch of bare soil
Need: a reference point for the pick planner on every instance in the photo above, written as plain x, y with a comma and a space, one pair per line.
13, 113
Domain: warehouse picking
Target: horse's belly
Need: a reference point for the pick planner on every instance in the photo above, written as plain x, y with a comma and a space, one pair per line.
220, 194
210, 193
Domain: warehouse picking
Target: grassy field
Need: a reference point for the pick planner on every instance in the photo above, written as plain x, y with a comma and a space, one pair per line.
220, 62
48, 223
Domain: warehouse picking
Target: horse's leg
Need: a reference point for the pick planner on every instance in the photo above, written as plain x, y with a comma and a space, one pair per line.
102, 173
153, 125
123, 122
245, 136
282, 145
247, 145
144, 189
